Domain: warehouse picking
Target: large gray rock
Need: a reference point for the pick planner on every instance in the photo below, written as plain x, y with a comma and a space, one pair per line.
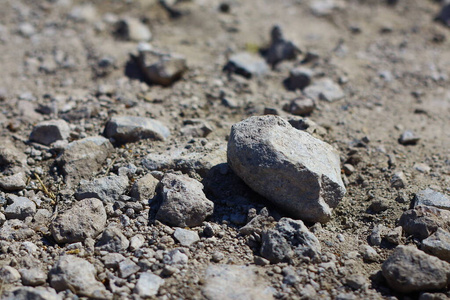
247, 65
83, 158
289, 239
184, 203
86, 219
438, 244
38, 293
297, 172
47, 132
9, 275
77, 275
20, 208
113, 240
127, 129
422, 221
148, 285
108, 189
411, 270
430, 197
231, 282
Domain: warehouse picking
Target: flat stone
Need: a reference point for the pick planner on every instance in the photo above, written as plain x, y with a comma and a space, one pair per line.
411, 270
408, 138
295, 171
108, 189
113, 240
128, 129
186, 237
148, 285
9, 275
300, 106
422, 221
33, 277
438, 244
289, 239
324, 89
20, 208
134, 30
34, 293
48, 132
14, 182
144, 188
247, 65
86, 219
175, 258
76, 274
162, 70
232, 282
137, 242
430, 197
15, 230
127, 268
112, 260
184, 203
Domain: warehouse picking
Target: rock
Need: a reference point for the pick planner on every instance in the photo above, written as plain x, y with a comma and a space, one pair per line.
84, 13
137, 242
355, 281
280, 49
164, 70
218, 256
14, 182
148, 285
231, 282
429, 197
348, 169
33, 277
128, 129
112, 260
186, 237
175, 258
395, 235
20, 208
78, 275
113, 240
10, 156
258, 224
438, 244
444, 15
297, 172
398, 180
127, 268
83, 158
299, 78
379, 205
422, 168
408, 138
38, 293
321, 8
289, 239
411, 270
134, 30
86, 219
144, 188
247, 65
26, 29
108, 189
300, 106
369, 254
9, 275
48, 132
196, 128
184, 203
422, 221
324, 89
15, 230
2, 219
376, 235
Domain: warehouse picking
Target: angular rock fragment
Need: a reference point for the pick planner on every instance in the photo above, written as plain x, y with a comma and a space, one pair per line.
38, 293
429, 197
83, 158
438, 244
108, 189
133, 29
77, 275
148, 285
113, 240
247, 65
128, 129
444, 15
20, 208
48, 132
280, 49
86, 219
300, 106
10, 156
144, 188
324, 89
411, 270
15, 230
184, 203
299, 78
398, 180
14, 182
297, 172
9, 275
408, 138
196, 128
289, 239
186, 237
127, 267
33, 276
162, 70
422, 221
230, 282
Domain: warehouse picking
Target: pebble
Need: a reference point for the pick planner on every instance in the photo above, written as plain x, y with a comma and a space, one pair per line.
321, 8
20, 208
295, 171
148, 285
217, 256
48, 132
300, 106
422, 221
247, 65
438, 244
186, 237
33, 277
184, 203
136, 242
369, 254
112, 260
356, 281
163, 71
144, 188
398, 180
289, 239
422, 168
299, 78
134, 30
83, 13
127, 267
86, 219
395, 235
108, 189
408, 138
324, 89
128, 129
444, 15
14, 182
9, 275
15, 230
430, 197
280, 49
113, 240
379, 205
348, 169
411, 270
37, 293
175, 258
27, 29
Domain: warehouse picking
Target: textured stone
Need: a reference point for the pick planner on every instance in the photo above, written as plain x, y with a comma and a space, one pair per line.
15, 230
411, 270
186, 237
137, 242
127, 268
438, 244
48, 132
408, 138
127, 129
299, 78
108, 189
86, 219
280, 49
10, 156
134, 30
164, 70
144, 188
422, 221
9, 275
113, 240
20, 208
300, 106
30, 293
33, 277
430, 197
148, 285
184, 203
297, 172
247, 65
324, 89
14, 182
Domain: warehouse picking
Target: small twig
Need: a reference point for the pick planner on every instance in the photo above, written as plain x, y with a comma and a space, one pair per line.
110, 166
44, 188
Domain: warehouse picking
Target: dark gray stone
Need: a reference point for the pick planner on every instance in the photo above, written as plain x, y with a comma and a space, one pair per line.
48, 132
300, 106
162, 70
299, 78
438, 244
422, 221
430, 197
128, 129
280, 49
108, 189
113, 240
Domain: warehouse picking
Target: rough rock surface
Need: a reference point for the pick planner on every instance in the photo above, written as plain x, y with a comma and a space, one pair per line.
127, 129
422, 221
38, 293
48, 132
113, 240
144, 188
292, 169
20, 208
324, 89
186, 237
164, 70
438, 244
108, 189
247, 65
13, 182
430, 197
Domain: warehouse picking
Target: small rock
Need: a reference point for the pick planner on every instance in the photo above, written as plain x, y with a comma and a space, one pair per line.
258, 224
27, 29
2, 219
127, 268
9, 275
438, 244
299, 78
411, 270
37, 293
137, 242
165, 71
134, 30
148, 285
113, 240
14, 182
444, 15
369, 254
395, 235
260, 261
408, 138
184, 203
112, 260
10, 156
247, 65
86, 219
48, 132
15, 230
300, 106
379, 205
83, 13
196, 128
231, 282
175, 258
398, 180
20, 208
128, 129
295, 171
108, 189
217, 256
144, 188
422, 221
33, 277
186, 237
324, 89
348, 169
376, 235
422, 168
356, 281
289, 239
430, 197
74, 273
280, 49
